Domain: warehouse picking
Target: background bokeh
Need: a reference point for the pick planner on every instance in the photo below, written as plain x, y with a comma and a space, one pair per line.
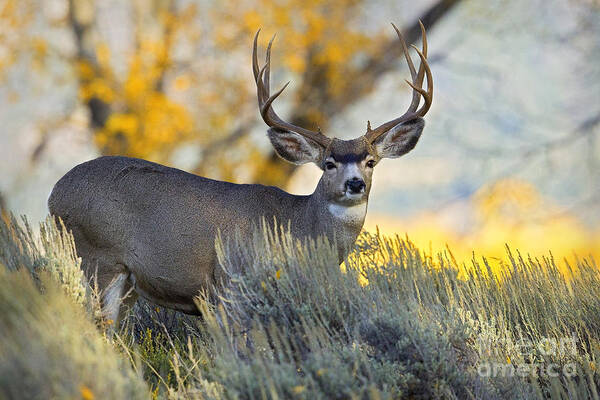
510, 153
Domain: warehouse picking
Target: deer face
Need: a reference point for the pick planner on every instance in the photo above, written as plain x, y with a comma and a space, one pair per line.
347, 164
347, 171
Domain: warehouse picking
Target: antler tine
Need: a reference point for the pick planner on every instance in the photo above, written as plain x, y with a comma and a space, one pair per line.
416, 78
419, 83
267, 78
255, 69
266, 106
427, 95
424, 36
265, 100
416, 84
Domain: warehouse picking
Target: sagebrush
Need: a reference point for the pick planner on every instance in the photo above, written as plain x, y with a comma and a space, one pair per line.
288, 322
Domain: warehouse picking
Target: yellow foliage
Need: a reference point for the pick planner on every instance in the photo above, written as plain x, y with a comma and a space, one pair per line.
128, 124
251, 19
103, 56
16, 13
40, 46
316, 27
150, 123
153, 123
16, 37
507, 212
84, 70
142, 119
296, 63
98, 88
182, 82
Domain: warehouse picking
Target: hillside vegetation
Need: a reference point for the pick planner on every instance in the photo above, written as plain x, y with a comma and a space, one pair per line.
289, 323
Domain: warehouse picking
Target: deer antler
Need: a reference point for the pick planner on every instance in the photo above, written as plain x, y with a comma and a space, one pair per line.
416, 85
265, 100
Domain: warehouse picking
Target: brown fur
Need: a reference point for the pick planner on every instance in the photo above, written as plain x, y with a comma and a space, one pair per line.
158, 224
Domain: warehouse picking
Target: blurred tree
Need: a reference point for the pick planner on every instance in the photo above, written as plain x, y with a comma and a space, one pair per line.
133, 115
182, 74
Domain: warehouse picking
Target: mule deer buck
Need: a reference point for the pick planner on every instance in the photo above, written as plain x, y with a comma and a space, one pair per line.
146, 229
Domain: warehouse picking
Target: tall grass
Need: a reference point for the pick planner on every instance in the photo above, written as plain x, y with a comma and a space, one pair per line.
288, 322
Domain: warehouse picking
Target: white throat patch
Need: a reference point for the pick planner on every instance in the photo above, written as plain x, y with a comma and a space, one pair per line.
349, 215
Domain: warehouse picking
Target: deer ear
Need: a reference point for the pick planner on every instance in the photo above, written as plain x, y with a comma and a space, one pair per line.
399, 140
295, 148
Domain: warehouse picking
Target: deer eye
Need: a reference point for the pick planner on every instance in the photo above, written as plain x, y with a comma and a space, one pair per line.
371, 163
329, 165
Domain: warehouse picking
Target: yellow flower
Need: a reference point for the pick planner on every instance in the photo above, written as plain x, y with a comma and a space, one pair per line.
86, 393
278, 274
264, 285
298, 389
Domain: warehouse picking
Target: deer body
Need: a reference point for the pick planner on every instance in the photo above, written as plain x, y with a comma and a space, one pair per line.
146, 229
158, 224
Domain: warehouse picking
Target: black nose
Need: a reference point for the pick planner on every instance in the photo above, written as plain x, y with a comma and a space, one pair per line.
355, 185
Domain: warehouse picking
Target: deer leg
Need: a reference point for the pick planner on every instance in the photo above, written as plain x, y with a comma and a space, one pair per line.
112, 297
128, 299
111, 278
117, 298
